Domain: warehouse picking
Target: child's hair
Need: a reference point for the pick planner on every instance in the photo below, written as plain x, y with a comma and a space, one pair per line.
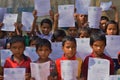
68, 38
17, 38
112, 22
58, 33
43, 42
86, 29
104, 18
34, 38
48, 21
97, 36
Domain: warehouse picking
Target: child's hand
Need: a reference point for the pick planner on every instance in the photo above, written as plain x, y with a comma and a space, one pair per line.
27, 76
35, 14
51, 14
52, 78
1, 77
56, 16
1, 24
32, 78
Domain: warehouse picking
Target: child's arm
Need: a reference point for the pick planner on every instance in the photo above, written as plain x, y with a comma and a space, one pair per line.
34, 25
18, 27
55, 23
1, 24
116, 13
27, 76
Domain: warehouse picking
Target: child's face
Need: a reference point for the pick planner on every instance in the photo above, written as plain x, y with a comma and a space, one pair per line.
111, 29
98, 48
69, 49
45, 28
43, 52
83, 34
17, 49
33, 43
72, 31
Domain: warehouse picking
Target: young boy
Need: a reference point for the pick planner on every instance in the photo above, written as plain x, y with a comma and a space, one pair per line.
97, 43
18, 59
43, 49
45, 27
69, 49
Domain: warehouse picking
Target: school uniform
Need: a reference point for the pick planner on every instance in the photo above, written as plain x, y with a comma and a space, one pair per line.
64, 58
85, 65
25, 63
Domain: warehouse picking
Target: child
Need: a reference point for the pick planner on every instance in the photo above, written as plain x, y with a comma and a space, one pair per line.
112, 28
84, 32
69, 48
45, 27
33, 41
97, 43
103, 22
58, 35
43, 49
18, 59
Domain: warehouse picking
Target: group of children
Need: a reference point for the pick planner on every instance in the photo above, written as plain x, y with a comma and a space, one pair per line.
41, 38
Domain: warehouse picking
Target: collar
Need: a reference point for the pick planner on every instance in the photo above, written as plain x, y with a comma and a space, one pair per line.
72, 58
93, 55
24, 57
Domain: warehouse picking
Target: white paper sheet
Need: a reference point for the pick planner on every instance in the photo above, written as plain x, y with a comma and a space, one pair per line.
82, 6
2, 12
94, 16
42, 7
68, 71
83, 47
9, 20
106, 5
98, 69
66, 18
114, 77
5, 53
57, 51
31, 52
40, 71
113, 46
14, 73
27, 20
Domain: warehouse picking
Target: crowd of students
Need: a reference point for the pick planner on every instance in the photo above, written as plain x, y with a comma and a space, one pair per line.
48, 31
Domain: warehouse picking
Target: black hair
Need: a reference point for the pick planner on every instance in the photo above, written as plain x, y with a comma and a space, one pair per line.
48, 21
86, 29
43, 42
58, 33
97, 36
68, 38
34, 38
112, 22
104, 18
17, 38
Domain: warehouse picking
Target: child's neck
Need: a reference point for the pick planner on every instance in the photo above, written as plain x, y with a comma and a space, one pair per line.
98, 56
43, 60
18, 59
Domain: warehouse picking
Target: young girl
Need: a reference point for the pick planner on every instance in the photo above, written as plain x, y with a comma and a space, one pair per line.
58, 35
69, 49
112, 28
43, 49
